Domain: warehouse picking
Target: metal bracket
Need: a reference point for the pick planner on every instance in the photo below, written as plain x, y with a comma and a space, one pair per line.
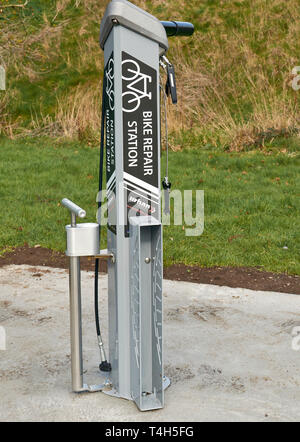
94, 388
104, 254
113, 392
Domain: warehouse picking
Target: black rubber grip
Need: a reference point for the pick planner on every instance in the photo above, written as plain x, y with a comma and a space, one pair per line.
178, 28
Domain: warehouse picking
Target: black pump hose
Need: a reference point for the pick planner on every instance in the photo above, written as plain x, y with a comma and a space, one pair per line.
104, 366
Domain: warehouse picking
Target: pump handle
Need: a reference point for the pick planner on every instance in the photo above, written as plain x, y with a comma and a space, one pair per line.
178, 28
76, 210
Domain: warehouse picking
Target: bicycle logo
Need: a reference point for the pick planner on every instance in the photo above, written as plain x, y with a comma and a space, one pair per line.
110, 84
137, 85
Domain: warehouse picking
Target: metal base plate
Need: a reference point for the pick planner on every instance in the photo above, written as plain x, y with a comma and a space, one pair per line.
112, 392
94, 388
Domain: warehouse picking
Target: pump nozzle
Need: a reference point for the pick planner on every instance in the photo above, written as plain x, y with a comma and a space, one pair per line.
104, 366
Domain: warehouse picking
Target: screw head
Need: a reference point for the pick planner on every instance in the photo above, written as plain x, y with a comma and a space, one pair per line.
147, 260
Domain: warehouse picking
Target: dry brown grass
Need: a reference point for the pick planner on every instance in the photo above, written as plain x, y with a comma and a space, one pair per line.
79, 115
8, 125
233, 82
224, 72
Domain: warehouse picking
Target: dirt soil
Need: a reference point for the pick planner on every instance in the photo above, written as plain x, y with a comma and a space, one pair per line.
243, 277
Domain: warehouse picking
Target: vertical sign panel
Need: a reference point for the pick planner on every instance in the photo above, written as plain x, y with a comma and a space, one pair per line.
109, 102
140, 135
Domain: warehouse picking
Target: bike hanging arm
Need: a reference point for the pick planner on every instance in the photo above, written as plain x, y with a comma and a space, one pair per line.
178, 28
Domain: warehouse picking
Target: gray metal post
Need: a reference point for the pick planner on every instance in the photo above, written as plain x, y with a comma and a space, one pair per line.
133, 42
75, 324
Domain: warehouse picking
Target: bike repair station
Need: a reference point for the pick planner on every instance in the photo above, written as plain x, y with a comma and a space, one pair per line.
134, 44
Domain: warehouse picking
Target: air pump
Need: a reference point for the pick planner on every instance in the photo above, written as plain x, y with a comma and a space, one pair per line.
134, 44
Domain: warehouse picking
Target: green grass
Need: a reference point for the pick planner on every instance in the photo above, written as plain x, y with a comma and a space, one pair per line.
233, 78
251, 201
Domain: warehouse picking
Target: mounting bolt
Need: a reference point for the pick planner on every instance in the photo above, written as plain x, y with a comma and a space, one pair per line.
115, 21
147, 260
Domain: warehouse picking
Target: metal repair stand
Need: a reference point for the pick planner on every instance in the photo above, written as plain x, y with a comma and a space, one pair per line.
134, 44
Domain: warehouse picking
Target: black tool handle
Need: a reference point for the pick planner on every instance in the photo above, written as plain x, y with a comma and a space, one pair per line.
171, 84
178, 28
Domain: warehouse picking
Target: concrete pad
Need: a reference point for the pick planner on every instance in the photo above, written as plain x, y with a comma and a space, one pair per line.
228, 353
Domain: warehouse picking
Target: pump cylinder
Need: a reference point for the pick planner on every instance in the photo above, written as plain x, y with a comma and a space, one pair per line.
75, 325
